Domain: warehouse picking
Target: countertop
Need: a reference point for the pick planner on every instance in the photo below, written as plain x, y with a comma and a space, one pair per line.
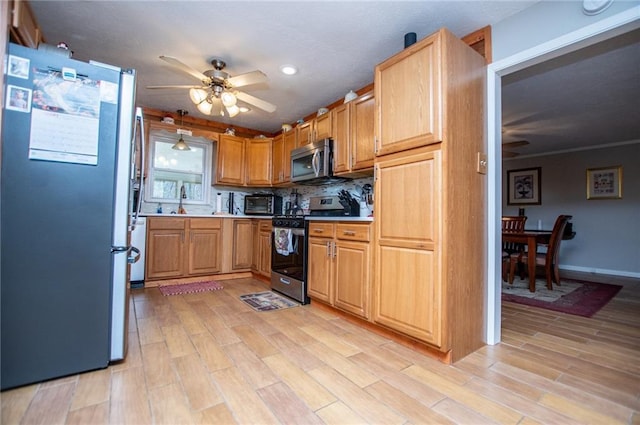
260, 217
341, 218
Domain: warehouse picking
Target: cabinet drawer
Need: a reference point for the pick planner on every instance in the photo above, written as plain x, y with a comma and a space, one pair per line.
353, 232
321, 230
155, 223
265, 226
206, 223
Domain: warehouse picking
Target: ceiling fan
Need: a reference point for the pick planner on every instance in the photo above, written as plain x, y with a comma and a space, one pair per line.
510, 145
217, 88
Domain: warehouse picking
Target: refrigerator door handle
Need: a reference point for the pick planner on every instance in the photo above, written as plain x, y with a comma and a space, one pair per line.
119, 249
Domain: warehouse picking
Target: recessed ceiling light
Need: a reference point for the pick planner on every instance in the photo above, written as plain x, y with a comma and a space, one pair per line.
244, 109
288, 69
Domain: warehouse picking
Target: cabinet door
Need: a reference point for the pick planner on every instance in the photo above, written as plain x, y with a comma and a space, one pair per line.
304, 133
341, 139
265, 253
362, 131
352, 276
289, 144
165, 253
255, 236
408, 286
278, 156
242, 244
319, 276
204, 251
230, 163
258, 162
322, 127
408, 98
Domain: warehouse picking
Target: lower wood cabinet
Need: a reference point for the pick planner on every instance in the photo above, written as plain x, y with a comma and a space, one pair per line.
242, 244
261, 263
338, 267
180, 247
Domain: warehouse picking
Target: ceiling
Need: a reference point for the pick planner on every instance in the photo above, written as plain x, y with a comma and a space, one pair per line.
587, 98
335, 46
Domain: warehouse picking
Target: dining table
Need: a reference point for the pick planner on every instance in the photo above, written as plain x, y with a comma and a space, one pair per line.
531, 238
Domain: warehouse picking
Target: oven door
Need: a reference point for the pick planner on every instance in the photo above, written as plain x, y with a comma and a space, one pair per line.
288, 263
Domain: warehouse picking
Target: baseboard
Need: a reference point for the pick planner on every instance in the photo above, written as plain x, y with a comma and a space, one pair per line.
621, 273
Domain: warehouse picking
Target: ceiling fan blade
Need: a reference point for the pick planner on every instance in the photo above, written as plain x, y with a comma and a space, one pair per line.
174, 87
185, 68
258, 103
507, 154
247, 79
516, 144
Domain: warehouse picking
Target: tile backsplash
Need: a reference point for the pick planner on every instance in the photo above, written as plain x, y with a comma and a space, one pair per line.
305, 193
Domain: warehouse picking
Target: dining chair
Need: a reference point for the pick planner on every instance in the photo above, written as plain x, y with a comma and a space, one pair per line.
548, 260
512, 224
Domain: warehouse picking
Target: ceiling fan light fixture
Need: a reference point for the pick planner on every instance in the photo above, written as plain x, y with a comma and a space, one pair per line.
205, 107
228, 99
288, 69
198, 95
233, 110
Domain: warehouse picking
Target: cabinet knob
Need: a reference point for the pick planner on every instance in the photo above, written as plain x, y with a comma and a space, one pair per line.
349, 233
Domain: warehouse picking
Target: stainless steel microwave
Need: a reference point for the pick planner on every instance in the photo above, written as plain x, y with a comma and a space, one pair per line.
262, 204
313, 164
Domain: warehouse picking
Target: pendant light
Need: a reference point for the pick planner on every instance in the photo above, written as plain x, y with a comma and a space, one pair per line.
181, 145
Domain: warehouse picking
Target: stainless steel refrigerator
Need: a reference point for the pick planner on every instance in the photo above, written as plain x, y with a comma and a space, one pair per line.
67, 173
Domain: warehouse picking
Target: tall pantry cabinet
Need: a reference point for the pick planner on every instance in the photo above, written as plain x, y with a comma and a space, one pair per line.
430, 195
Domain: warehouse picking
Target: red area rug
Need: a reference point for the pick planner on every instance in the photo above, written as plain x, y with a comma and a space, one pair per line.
190, 288
585, 300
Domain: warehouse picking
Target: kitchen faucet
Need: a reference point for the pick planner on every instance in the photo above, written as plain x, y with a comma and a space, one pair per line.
183, 195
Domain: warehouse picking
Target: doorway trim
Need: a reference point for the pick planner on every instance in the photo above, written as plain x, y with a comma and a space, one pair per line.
604, 29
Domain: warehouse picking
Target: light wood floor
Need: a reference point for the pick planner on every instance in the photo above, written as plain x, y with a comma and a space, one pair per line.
208, 358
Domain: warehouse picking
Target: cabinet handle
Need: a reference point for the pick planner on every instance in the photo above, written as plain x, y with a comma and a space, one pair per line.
329, 249
335, 251
318, 230
349, 233
375, 145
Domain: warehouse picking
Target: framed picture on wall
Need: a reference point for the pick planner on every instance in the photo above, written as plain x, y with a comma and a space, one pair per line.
604, 183
523, 186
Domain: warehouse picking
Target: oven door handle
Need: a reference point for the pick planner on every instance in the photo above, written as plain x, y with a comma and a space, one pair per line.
285, 281
296, 232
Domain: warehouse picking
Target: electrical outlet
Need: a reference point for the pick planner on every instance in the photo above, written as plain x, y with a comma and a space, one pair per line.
481, 166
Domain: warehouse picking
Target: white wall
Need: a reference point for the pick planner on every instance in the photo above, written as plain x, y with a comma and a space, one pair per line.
545, 21
607, 230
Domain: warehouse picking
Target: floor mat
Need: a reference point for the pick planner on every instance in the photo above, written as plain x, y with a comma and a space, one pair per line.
576, 297
267, 301
190, 288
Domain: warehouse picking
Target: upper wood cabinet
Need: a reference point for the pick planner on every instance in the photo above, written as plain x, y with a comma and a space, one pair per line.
258, 162
243, 162
283, 144
429, 239
353, 135
24, 29
408, 97
316, 129
230, 160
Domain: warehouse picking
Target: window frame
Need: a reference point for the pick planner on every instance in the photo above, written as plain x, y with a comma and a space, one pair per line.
166, 137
